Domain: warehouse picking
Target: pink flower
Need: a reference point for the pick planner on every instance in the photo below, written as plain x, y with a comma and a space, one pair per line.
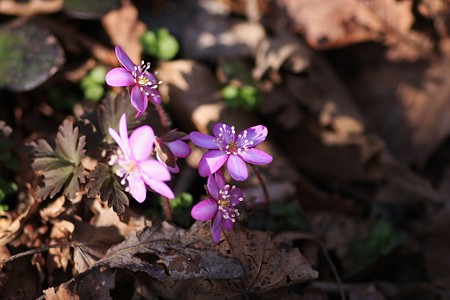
234, 150
169, 147
134, 163
220, 208
143, 84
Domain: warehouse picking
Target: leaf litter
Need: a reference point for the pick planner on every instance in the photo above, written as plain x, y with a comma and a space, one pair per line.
354, 94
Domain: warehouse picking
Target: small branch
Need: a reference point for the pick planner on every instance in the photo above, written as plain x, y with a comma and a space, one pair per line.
42, 249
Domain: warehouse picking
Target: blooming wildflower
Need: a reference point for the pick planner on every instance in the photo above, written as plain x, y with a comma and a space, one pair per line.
220, 208
235, 150
143, 84
169, 147
135, 164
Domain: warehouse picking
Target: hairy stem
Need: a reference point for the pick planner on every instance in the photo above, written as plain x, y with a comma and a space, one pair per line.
163, 118
167, 210
263, 185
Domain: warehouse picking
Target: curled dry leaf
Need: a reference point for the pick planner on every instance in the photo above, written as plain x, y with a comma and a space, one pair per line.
329, 24
54, 209
9, 228
280, 50
333, 23
125, 29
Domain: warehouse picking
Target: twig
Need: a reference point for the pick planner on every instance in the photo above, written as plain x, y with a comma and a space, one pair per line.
42, 249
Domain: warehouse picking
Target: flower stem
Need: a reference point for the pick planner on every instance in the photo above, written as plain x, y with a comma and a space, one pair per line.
163, 118
263, 185
167, 210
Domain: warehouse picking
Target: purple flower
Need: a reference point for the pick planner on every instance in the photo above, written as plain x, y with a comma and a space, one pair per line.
134, 163
143, 84
220, 208
169, 147
235, 150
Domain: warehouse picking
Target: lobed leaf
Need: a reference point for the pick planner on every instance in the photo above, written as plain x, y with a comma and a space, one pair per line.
62, 166
103, 182
110, 111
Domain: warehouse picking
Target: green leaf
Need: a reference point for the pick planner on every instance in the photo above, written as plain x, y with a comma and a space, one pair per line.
29, 55
103, 182
160, 43
98, 74
381, 241
62, 166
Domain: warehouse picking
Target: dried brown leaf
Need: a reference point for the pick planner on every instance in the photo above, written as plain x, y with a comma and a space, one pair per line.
54, 209
333, 23
150, 251
125, 30
410, 111
270, 264
29, 8
9, 228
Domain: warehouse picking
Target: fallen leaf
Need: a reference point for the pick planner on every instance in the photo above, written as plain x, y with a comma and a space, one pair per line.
53, 209
60, 257
410, 111
149, 250
9, 228
269, 263
125, 30
29, 8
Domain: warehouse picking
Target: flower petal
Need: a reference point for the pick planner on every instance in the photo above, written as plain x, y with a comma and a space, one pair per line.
236, 195
123, 131
228, 224
220, 179
124, 59
211, 161
212, 187
138, 99
174, 170
237, 168
141, 142
216, 228
154, 169
119, 77
179, 148
256, 134
116, 137
204, 210
154, 96
203, 140
256, 157
137, 187
160, 187
225, 131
